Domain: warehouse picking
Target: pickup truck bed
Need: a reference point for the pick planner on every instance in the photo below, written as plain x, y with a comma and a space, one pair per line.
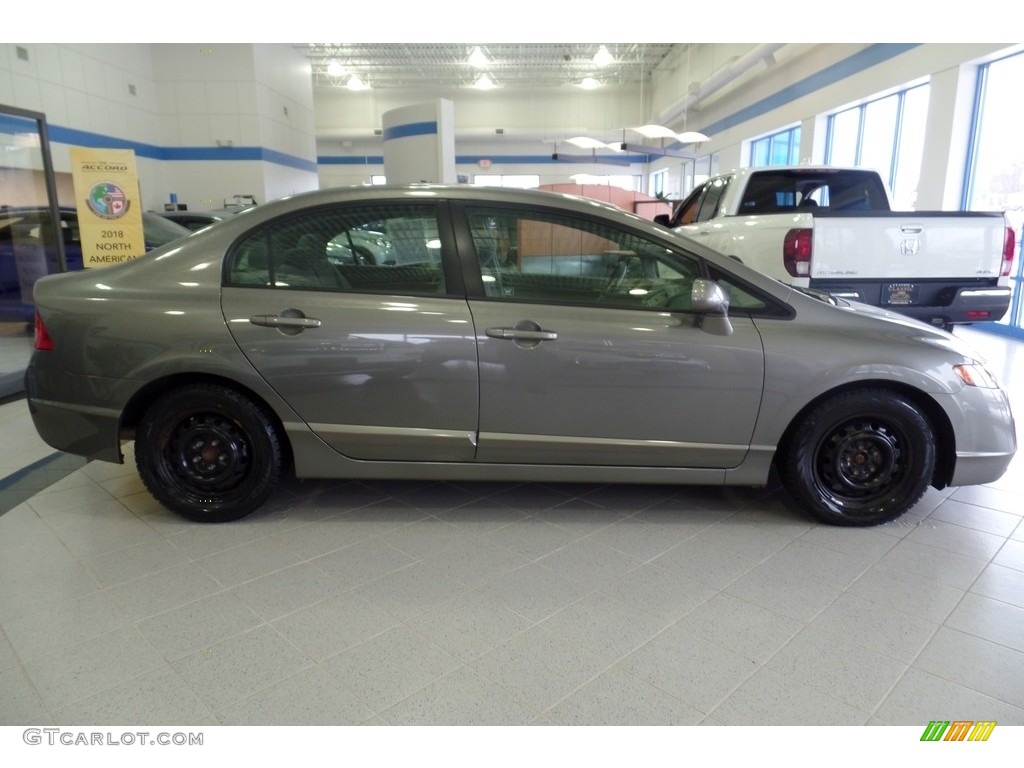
833, 229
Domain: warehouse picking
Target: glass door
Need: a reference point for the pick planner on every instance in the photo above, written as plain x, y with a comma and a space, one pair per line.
30, 239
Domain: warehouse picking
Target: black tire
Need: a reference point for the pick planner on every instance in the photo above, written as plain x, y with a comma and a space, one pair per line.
208, 453
862, 457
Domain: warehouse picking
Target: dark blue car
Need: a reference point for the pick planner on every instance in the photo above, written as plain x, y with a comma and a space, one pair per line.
27, 251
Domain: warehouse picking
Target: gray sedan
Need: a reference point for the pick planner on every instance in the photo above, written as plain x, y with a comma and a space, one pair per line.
501, 335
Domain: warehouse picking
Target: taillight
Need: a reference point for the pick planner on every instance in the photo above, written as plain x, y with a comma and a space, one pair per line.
43, 341
796, 252
1009, 246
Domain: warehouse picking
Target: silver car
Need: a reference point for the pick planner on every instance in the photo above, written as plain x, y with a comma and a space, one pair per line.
507, 335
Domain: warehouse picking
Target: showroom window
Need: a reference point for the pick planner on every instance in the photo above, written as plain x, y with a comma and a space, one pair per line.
887, 135
392, 249
996, 162
782, 148
659, 183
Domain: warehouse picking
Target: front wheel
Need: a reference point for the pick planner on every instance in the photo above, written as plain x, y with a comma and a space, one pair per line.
208, 453
862, 457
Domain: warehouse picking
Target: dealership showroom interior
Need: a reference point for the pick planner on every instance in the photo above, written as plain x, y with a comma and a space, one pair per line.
467, 503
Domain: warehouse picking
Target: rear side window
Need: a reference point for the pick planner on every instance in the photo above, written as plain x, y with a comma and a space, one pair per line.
837, 190
390, 249
703, 203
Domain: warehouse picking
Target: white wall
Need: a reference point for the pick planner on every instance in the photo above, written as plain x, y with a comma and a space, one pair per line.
181, 98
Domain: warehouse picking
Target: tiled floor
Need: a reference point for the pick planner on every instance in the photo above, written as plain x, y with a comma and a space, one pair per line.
406, 603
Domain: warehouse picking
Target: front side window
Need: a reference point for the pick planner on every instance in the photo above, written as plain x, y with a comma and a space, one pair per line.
391, 249
554, 258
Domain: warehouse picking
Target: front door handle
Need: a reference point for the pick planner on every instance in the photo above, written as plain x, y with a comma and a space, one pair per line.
521, 334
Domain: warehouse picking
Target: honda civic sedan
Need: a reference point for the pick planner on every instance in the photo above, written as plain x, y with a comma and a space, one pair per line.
496, 335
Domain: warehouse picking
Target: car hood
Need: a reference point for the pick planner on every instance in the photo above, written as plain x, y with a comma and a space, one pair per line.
907, 326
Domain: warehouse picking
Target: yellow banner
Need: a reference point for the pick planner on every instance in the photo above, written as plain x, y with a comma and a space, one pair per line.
109, 208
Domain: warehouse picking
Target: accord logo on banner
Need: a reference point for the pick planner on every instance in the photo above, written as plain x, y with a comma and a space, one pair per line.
109, 211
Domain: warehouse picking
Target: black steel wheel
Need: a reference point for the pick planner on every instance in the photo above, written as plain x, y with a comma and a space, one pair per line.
862, 457
208, 453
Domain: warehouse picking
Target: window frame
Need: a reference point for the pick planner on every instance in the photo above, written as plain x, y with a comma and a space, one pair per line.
476, 291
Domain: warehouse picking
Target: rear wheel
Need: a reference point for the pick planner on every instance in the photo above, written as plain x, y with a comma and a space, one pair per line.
862, 457
208, 453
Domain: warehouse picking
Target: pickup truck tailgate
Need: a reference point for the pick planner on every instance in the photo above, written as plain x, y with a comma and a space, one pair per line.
898, 245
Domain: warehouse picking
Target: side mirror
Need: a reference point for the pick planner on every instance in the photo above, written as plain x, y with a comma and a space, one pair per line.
664, 220
708, 298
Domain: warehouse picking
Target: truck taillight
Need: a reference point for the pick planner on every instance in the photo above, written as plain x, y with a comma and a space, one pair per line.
42, 339
1009, 246
796, 252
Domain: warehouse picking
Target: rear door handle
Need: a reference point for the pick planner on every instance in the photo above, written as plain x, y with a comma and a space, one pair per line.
278, 321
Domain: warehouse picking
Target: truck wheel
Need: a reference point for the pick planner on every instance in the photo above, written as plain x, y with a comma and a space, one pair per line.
862, 457
208, 453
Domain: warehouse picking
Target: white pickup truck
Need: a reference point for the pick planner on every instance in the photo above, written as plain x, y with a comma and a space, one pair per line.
832, 229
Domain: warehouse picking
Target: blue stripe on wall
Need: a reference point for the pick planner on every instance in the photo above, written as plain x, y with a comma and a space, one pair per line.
425, 128
16, 124
869, 57
78, 138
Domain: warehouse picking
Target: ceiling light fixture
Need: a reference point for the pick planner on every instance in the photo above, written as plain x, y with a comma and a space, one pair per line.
691, 137
335, 68
603, 57
484, 83
654, 131
478, 59
356, 83
589, 83
585, 142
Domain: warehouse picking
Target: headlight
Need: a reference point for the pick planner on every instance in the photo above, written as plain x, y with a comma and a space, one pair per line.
976, 375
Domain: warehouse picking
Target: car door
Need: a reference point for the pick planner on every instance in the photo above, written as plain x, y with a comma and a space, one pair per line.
698, 212
376, 353
590, 354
